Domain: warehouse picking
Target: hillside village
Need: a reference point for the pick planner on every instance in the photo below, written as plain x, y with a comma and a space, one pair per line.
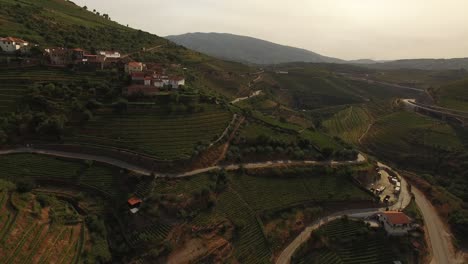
147, 79
118, 145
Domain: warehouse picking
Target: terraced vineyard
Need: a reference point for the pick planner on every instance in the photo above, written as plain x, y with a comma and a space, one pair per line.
286, 133
312, 89
352, 243
102, 178
153, 232
349, 124
405, 132
29, 238
250, 245
164, 136
43, 168
13, 83
263, 193
36, 166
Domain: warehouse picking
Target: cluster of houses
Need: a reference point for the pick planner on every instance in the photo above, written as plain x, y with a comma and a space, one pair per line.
78, 56
149, 79
146, 79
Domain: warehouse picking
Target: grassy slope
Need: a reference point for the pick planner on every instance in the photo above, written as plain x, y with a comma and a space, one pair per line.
453, 95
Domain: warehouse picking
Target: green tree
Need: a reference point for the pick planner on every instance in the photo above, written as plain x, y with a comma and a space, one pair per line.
120, 106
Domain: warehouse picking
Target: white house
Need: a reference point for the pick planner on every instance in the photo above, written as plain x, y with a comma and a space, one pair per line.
395, 223
10, 44
109, 54
176, 82
158, 83
147, 81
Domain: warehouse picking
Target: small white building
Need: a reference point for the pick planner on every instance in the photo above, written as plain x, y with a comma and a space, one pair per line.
395, 223
158, 83
147, 81
11, 45
176, 82
109, 54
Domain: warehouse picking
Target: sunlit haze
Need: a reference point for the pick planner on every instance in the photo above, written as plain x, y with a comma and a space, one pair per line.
347, 29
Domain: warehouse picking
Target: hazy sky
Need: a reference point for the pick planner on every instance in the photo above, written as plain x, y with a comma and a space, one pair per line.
347, 29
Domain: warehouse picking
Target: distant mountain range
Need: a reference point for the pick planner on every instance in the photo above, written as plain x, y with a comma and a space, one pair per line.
424, 64
247, 49
256, 51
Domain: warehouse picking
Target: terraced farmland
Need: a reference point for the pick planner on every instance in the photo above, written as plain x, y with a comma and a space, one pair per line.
164, 136
404, 133
43, 168
250, 245
13, 83
264, 193
349, 124
103, 178
352, 243
35, 166
313, 89
153, 232
29, 238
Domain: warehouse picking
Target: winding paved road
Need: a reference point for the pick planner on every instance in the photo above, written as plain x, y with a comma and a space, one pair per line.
434, 109
403, 200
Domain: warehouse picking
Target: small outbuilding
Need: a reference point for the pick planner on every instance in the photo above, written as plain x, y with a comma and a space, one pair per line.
134, 204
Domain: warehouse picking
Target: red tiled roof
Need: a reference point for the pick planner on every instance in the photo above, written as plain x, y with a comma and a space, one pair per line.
134, 201
78, 49
177, 78
135, 64
148, 78
397, 218
12, 39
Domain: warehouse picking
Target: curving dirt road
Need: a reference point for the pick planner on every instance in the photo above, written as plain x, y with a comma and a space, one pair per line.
256, 93
140, 170
440, 238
